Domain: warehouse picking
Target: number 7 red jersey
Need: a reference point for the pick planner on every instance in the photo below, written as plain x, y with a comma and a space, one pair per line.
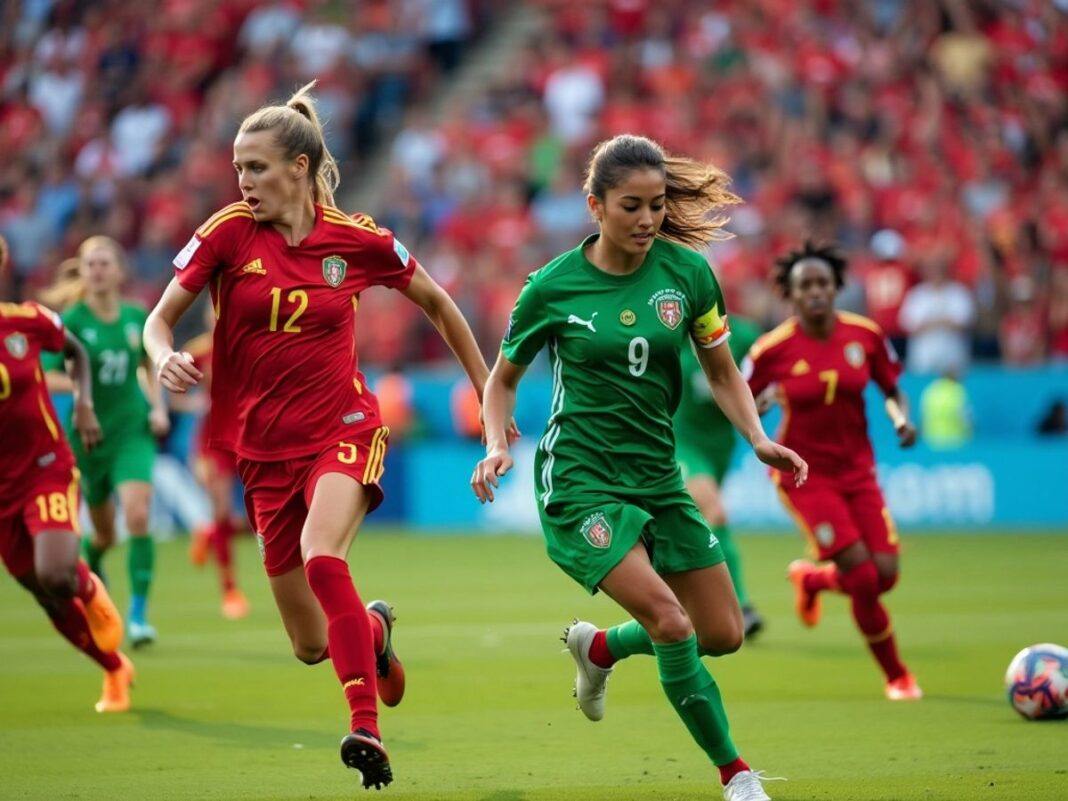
821, 389
285, 375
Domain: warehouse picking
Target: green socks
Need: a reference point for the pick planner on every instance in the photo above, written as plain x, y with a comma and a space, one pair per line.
734, 561
693, 693
628, 639
92, 555
140, 559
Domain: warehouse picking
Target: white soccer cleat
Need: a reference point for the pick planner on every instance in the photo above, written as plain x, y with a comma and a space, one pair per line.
590, 680
747, 786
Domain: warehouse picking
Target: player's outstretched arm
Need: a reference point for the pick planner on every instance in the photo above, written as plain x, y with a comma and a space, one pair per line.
498, 405
81, 378
174, 370
733, 396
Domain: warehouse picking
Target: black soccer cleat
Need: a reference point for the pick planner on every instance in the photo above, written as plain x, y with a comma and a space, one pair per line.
364, 752
752, 622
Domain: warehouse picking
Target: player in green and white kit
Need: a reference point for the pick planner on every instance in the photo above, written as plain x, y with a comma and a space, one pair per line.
615, 314
704, 444
110, 329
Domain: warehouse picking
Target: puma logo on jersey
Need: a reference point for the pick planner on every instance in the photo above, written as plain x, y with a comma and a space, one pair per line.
576, 320
254, 266
800, 368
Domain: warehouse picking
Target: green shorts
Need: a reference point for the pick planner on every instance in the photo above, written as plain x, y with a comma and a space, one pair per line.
588, 539
121, 458
704, 459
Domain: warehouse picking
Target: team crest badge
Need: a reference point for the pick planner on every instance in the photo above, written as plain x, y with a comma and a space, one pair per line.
17, 345
668, 305
133, 336
597, 531
334, 269
627, 317
854, 354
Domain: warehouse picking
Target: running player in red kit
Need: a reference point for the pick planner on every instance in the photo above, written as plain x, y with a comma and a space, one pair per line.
215, 469
285, 269
39, 495
818, 364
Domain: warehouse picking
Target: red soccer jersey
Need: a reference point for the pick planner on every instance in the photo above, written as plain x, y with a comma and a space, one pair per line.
821, 387
285, 378
30, 438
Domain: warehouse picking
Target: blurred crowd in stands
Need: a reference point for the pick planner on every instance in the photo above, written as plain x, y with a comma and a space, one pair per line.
928, 137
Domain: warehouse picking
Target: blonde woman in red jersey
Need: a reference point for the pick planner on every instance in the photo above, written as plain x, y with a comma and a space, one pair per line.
285, 269
819, 363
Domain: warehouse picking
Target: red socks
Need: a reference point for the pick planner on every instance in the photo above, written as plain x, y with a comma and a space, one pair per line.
862, 585
85, 587
222, 531
727, 772
599, 653
349, 636
69, 619
824, 577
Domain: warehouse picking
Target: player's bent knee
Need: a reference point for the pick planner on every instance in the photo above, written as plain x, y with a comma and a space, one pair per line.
887, 581
137, 522
721, 643
56, 582
310, 654
670, 623
861, 581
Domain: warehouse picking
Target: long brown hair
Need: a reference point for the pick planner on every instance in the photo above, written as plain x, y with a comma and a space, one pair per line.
297, 129
697, 193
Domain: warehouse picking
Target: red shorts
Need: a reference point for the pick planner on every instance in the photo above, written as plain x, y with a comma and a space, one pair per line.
277, 494
225, 462
51, 504
834, 514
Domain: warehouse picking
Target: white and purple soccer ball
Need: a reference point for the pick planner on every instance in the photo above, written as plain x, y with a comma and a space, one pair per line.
1037, 682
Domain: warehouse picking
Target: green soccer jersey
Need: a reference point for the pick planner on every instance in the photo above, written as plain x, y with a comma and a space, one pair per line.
698, 418
115, 352
614, 347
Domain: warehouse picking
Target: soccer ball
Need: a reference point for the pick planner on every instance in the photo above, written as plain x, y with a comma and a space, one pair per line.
1037, 682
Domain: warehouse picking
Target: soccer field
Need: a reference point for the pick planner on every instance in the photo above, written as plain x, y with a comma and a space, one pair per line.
222, 711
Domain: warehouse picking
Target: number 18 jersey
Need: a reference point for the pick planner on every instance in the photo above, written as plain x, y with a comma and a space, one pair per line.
614, 348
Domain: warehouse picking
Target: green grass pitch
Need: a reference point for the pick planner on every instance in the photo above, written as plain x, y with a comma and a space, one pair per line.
222, 711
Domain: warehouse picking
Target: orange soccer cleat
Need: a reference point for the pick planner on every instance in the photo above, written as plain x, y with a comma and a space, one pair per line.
904, 688
105, 622
117, 684
807, 604
200, 546
234, 605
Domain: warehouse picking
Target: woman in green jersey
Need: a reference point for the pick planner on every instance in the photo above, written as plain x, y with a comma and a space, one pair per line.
131, 416
615, 313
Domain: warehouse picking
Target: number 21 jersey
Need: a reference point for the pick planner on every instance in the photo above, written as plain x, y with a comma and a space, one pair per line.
285, 376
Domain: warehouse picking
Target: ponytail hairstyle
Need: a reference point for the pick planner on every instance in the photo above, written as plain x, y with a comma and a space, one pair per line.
828, 254
697, 193
3, 254
297, 129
